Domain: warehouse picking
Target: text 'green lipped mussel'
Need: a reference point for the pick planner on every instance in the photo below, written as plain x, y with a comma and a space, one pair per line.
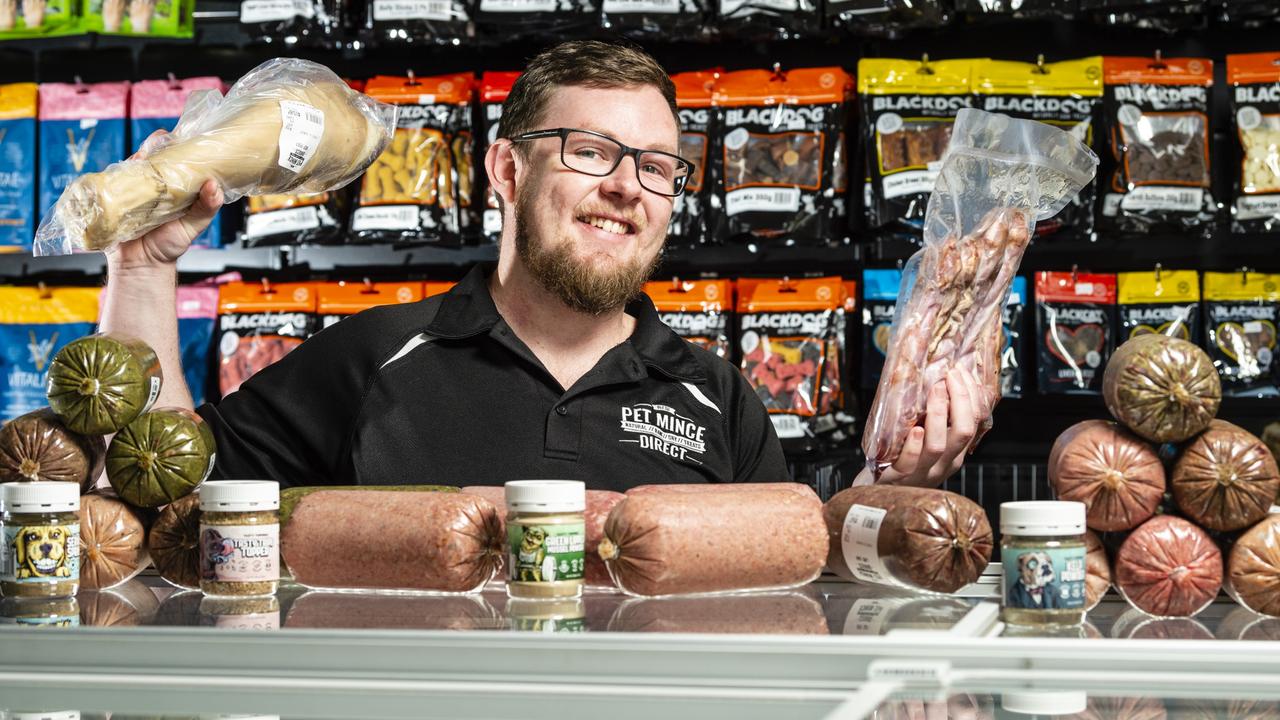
160, 457
100, 383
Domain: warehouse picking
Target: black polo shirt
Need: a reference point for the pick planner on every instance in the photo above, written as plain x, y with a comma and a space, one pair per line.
443, 392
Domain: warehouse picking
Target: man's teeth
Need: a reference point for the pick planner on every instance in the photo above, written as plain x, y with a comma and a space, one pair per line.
612, 226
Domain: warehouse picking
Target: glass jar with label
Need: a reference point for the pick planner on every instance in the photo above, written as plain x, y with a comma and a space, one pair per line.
40, 556
547, 616
63, 612
239, 538
1042, 554
240, 613
547, 538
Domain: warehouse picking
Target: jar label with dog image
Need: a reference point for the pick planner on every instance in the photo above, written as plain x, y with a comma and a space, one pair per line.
1044, 578
547, 553
240, 553
35, 554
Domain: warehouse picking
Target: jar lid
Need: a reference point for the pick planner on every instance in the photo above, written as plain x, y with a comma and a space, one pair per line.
1043, 702
1042, 517
239, 496
547, 496
40, 497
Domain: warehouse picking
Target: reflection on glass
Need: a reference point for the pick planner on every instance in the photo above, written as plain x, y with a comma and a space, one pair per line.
1137, 625
547, 616
1122, 708
367, 610
961, 706
240, 613
862, 610
1245, 624
127, 605
786, 613
40, 612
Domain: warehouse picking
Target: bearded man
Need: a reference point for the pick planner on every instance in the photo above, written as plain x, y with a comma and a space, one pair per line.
551, 365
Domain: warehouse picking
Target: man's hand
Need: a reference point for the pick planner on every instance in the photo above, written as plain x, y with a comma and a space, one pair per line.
937, 450
164, 245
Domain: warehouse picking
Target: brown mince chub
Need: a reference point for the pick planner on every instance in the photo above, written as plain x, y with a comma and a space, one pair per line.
1226, 478
1117, 475
1162, 388
39, 447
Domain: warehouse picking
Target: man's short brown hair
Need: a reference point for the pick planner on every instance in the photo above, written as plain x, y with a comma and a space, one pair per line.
579, 63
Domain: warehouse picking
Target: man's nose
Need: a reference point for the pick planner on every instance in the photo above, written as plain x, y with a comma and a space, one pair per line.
624, 181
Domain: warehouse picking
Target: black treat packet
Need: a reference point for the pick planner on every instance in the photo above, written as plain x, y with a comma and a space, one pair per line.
1242, 315
1179, 320
664, 20
1168, 16
1011, 371
1255, 107
504, 21
694, 220
768, 19
1075, 331
417, 22
885, 18
780, 160
310, 23
1157, 112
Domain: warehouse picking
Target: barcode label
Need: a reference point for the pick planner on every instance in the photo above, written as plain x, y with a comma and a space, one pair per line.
1084, 288
153, 394
859, 543
392, 217
910, 182
1164, 198
440, 10
762, 200
787, 426
751, 7
642, 6
1253, 327
259, 11
500, 6
281, 221
301, 127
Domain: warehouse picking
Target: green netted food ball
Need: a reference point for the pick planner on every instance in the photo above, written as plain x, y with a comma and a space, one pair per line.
100, 383
160, 457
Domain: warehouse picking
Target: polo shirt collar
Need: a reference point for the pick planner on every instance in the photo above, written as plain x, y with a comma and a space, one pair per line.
467, 310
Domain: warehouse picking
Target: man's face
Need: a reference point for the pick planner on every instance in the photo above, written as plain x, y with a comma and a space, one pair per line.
594, 241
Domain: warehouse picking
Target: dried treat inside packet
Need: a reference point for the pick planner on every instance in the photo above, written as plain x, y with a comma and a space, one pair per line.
1255, 106
1000, 176
435, 22
768, 19
908, 108
885, 18
1158, 130
1075, 331
1063, 94
697, 310
879, 300
663, 20
1241, 315
257, 325
1163, 302
792, 343
417, 190
785, 169
694, 217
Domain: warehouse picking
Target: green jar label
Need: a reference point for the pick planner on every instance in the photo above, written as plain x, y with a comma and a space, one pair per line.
547, 553
549, 625
1044, 578
40, 553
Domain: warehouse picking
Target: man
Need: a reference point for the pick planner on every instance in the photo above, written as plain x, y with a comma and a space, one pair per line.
552, 365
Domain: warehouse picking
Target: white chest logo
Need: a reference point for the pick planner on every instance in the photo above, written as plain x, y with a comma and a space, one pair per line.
659, 428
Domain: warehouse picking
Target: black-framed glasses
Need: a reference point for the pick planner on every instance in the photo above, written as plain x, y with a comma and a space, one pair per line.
592, 153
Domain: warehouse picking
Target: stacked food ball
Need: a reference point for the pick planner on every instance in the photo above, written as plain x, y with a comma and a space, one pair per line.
105, 385
1183, 499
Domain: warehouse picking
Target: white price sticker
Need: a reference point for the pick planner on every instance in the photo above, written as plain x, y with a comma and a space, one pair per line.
787, 426
1164, 198
762, 200
260, 11
909, 182
301, 128
753, 7
392, 217
621, 7
281, 221
517, 6
439, 10
1253, 327
859, 541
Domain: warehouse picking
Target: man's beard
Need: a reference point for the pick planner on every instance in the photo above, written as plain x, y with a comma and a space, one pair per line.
576, 283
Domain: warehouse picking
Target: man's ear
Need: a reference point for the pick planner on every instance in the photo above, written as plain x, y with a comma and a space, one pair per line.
500, 162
